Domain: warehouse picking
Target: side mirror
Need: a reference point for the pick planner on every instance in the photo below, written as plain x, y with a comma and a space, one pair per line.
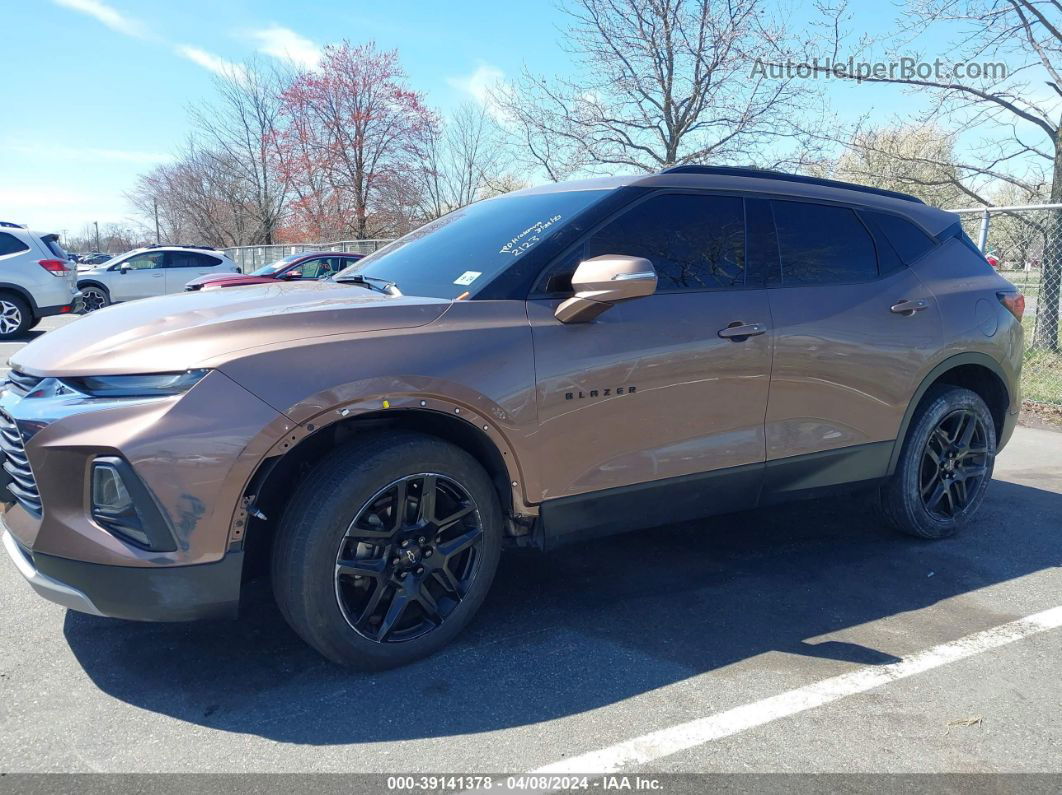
600, 282
123, 268
291, 276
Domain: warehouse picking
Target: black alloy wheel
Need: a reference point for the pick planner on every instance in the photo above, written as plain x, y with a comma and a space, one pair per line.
954, 463
408, 558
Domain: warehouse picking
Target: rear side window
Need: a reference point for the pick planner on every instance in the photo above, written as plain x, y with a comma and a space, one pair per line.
191, 259
9, 244
694, 242
52, 242
909, 241
822, 244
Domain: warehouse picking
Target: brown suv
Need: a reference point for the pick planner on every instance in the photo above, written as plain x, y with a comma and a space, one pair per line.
560, 362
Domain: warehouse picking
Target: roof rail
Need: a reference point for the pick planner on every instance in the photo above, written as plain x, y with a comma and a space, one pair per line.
764, 173
12, 225
180, 245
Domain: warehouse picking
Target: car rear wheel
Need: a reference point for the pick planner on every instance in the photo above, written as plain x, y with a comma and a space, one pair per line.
387, 549
15, 316
945, 465
94, 297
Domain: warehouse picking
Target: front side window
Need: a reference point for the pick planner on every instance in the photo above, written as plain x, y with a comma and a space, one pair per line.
146, 261
694, 242
463, 251
320, 268
273, 267
822, 244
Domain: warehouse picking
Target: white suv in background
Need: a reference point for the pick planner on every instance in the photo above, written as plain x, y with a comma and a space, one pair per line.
37, 279
146, 272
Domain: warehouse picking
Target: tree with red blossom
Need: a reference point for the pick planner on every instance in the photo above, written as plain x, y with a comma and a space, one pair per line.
352, 124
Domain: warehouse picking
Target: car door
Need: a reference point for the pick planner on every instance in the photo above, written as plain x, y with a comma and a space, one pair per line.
653, 390
854, 330
141, 276
183, 266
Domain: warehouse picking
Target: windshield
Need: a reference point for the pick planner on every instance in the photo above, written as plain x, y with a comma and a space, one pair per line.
273, 267
464, 250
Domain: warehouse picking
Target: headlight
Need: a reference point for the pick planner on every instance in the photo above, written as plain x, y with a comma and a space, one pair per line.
153, 385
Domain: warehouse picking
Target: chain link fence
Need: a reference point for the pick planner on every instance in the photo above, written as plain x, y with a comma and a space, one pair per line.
249, 258
1025, 245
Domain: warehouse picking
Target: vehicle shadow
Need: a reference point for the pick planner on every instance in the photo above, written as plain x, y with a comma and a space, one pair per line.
584, 627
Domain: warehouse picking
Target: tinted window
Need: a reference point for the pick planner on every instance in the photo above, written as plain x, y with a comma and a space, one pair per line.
52, 242
909, 241
819, 244
9, 244
191, 259
694, 242
463, 251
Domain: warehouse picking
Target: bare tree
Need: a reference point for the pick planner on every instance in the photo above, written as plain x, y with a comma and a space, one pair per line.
911, 158
1016, 108
460, 161
202, 197
660, 82
242, 128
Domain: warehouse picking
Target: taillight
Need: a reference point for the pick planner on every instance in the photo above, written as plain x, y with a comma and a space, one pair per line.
56, 267
1013, 303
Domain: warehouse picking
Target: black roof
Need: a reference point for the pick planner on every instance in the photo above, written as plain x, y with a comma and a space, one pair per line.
763, 173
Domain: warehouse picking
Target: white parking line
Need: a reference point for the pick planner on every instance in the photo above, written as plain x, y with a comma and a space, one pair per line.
664, 742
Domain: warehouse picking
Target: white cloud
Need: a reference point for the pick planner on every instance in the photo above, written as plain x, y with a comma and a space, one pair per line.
286, 44
108, 15
479, 83
215, 63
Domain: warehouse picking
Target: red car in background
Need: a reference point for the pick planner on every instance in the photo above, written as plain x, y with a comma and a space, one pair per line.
309, 265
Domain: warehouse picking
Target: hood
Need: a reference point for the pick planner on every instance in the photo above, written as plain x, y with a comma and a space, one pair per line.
186, 330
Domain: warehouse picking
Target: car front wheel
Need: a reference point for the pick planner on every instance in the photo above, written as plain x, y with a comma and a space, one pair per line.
94, 298
945, 465
387, 549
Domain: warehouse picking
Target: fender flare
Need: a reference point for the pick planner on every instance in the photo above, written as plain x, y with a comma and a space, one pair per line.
970, 357
87, 282
22, 293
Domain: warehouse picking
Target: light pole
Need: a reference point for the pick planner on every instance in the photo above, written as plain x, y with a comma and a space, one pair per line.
97, 225
155, 202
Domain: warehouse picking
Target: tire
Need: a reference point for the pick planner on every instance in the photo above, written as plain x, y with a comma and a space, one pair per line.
350, 495
16, 317
94, 297
945, 465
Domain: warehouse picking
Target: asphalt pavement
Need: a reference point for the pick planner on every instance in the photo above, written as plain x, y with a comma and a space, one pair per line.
703, 647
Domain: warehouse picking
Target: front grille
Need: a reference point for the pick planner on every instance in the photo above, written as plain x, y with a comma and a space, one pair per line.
23, 486
20, 383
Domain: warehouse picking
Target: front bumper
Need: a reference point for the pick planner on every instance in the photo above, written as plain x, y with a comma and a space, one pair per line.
181, 593
52, 590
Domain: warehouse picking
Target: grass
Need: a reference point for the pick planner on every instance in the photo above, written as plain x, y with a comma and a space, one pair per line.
1041, 372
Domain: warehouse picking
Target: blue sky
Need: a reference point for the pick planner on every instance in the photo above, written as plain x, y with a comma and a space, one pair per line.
96, 91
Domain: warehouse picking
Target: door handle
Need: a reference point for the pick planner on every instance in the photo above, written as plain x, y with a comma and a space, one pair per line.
908, 308
157, 275
740, 331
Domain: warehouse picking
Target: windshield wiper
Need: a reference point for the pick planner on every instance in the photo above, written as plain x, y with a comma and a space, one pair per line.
372, 282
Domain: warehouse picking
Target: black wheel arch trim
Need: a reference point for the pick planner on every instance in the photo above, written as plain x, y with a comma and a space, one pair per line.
90, 283
970, 357
22, 293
